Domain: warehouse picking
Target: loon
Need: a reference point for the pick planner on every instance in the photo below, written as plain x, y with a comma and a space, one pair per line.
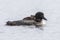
38, 20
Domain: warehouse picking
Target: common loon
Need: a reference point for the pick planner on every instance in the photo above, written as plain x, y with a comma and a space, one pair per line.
38, 19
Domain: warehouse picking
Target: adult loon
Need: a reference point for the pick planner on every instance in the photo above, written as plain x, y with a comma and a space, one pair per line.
37, 19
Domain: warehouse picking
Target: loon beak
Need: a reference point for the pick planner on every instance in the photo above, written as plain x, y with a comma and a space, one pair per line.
44, 18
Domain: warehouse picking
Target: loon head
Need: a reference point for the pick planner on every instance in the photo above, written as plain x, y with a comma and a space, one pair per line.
39, 16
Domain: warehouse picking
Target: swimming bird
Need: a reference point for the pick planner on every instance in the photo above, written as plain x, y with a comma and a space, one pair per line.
37, 20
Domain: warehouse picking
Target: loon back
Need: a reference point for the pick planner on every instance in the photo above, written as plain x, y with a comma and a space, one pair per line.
25, 22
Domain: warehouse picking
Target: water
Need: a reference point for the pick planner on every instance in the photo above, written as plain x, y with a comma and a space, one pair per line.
18, 9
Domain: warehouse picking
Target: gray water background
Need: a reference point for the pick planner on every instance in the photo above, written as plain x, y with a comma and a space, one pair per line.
18, 9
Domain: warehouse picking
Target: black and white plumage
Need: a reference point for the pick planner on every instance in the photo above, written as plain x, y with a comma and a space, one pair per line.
39, 16
36, 20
